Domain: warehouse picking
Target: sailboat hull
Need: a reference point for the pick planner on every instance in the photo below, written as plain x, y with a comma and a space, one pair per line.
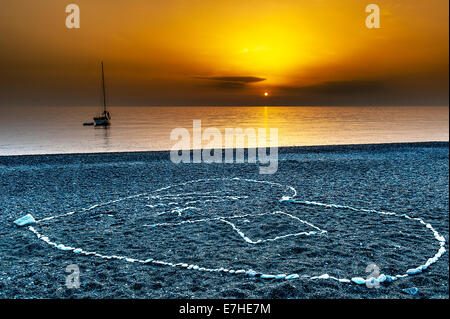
101, 121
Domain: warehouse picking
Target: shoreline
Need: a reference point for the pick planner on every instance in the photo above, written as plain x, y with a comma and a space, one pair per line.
281, 149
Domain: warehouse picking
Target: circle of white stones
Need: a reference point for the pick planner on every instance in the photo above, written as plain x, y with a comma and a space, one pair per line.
228, 220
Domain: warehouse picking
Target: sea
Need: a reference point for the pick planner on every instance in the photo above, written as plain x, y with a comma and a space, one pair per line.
59, 129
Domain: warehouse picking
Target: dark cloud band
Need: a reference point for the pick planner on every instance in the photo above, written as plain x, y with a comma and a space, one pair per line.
237, 79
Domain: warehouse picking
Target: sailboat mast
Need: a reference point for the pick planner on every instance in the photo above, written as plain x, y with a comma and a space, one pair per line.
104, 94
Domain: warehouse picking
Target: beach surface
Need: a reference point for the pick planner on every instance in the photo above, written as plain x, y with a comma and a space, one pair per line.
150, 201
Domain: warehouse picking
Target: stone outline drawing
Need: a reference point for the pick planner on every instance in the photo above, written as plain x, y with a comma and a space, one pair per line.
28, 220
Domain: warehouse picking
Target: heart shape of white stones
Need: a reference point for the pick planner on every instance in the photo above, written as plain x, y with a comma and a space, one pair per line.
289, 199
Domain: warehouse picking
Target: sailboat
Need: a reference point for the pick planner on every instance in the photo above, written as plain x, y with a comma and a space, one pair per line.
104, 119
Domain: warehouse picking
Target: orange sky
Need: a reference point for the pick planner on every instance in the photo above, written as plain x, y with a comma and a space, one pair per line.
204, 52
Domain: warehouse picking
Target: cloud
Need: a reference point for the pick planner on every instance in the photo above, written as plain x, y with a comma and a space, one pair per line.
346, 92
234, 79
230, 82
341, 87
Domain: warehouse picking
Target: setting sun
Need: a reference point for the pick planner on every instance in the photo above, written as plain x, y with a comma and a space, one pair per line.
266, 93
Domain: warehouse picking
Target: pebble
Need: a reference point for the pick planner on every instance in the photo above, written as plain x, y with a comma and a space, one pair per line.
344, 280
411, 291
359, 280
382, 278
25, 220
414, 271
251, 273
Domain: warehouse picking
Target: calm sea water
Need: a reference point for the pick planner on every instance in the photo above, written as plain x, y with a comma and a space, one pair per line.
50, 130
